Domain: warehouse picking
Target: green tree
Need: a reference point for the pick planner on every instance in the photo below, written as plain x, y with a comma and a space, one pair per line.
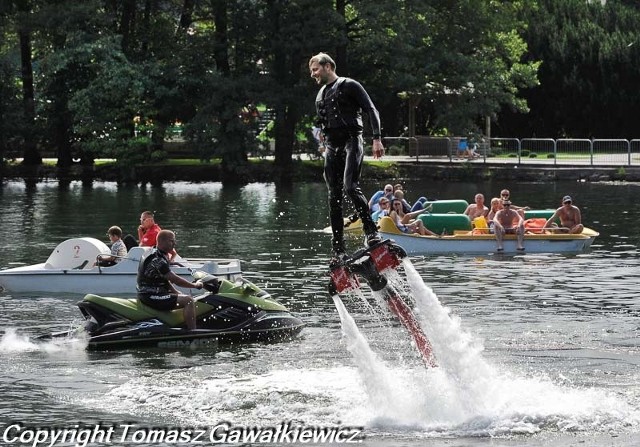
10, 92
589, 73
457, 69
24, 30
64, 26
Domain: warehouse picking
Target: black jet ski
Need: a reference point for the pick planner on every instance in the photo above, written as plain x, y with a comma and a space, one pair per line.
228, 312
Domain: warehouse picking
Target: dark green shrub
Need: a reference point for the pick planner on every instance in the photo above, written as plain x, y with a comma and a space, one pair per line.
396, 149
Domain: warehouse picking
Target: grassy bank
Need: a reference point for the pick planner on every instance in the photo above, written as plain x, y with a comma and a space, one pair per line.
265, 170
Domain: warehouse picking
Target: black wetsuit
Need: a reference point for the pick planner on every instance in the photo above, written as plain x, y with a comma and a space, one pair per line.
339, 106
154, 289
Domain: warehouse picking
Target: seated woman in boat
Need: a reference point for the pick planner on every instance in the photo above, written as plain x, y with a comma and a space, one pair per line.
496, 205
398, 195
406, 222
570, 218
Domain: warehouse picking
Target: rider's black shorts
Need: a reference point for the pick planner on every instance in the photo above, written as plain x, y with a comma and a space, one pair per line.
159, 302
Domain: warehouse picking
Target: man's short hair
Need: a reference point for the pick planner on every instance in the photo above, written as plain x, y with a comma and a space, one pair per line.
323, 59
164, 235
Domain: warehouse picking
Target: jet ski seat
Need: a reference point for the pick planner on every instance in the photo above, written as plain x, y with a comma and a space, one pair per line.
134, 310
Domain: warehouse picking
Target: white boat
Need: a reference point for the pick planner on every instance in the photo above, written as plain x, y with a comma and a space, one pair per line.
70, 269
466, 242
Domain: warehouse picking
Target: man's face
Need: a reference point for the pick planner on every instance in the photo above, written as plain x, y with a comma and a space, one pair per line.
320, 72
146, 221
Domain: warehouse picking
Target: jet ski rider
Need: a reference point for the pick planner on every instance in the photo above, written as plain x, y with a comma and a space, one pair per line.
339, 105
155, 281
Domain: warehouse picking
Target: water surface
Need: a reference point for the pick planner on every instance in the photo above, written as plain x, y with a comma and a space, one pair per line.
533, 349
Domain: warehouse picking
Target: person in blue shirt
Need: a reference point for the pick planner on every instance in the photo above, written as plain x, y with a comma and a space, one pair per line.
384, 208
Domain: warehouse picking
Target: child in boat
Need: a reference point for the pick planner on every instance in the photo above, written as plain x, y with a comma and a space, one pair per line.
118, 249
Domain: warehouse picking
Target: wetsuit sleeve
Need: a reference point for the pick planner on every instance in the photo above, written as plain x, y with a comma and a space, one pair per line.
357, 91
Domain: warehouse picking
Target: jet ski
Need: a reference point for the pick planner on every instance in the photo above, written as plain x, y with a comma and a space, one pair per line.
227, 312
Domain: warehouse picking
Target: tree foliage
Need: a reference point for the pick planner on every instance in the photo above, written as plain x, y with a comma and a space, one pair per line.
590, 54
111, 77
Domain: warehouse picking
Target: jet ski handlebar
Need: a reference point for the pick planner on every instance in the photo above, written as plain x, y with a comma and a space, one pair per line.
209, 282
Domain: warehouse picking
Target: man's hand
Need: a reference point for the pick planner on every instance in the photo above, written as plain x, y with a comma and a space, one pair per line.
378, 149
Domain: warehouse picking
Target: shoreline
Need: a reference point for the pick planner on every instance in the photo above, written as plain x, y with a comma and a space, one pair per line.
305, 170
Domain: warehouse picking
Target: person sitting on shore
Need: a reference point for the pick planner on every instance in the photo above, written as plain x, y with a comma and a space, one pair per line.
508, 221
570, 218
407, 222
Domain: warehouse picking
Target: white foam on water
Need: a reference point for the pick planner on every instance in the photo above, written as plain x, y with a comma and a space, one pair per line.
382, 388
491, 402
457, 352
465, 396
13, 342
331, 395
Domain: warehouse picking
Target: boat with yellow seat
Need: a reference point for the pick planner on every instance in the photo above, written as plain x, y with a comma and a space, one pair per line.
468, 241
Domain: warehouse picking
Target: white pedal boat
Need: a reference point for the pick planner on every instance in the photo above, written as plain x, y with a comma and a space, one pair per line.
70, 269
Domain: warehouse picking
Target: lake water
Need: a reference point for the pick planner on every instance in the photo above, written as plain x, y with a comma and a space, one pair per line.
532, 350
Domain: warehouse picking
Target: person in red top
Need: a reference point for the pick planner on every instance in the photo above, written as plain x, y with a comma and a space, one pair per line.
148, 230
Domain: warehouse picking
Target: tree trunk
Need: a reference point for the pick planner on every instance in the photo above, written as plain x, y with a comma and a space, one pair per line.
341, 50
186, 17
31, 155
284, 142
61, 119
221, 21
127, 25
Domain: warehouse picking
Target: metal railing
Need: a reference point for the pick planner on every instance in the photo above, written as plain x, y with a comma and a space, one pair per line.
548, 151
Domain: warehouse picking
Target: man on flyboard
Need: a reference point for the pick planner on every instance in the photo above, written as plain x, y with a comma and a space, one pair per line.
339, 105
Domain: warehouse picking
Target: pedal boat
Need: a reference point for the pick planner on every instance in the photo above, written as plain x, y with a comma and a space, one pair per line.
70, 269
473, 242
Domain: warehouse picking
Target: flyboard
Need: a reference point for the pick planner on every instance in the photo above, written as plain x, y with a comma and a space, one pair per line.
372, 264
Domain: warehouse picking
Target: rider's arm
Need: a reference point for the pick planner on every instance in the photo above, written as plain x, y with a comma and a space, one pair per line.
363, 99
180, 281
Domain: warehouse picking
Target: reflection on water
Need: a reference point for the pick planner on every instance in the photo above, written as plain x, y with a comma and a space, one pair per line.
538, 345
